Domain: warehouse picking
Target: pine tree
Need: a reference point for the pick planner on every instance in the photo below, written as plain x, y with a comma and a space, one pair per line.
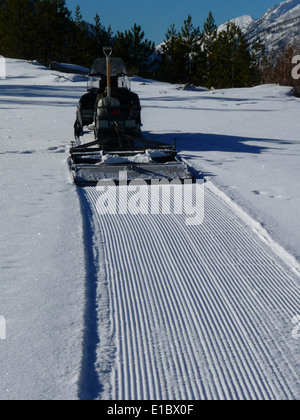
53, 26
135, 50
189, 39
206, 63
120, 45
243, 65
210, 25
100, 37
80, 40
258, 54
231, 63
17, 37
170, 58
98, 34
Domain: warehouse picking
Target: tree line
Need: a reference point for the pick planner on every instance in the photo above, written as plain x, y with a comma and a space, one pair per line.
208, 57
45, 30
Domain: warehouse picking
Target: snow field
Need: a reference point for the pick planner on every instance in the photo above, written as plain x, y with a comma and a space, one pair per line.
141, 306
41, 253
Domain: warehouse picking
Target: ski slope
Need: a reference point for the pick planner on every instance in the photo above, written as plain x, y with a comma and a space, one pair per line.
148, 306
191, 312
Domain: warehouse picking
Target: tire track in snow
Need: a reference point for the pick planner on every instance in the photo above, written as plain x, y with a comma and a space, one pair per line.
192, 312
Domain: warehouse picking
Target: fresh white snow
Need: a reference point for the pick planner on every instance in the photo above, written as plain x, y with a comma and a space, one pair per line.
246, 140
144, 306
41, 249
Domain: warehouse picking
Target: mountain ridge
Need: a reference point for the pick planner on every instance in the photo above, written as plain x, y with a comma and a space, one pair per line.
278, 28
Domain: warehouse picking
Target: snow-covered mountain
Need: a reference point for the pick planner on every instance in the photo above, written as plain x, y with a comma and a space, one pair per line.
278, 27
243, 22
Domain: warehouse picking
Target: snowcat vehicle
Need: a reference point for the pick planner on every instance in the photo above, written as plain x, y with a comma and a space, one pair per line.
113, 112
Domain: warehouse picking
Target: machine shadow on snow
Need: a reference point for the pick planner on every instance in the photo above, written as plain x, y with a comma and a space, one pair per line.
175, 98
187, 143
198, 142
14, 93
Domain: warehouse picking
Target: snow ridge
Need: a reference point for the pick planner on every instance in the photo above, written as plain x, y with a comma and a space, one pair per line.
243, 22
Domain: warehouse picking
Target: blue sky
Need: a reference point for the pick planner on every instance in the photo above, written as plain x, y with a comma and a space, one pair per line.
156, 16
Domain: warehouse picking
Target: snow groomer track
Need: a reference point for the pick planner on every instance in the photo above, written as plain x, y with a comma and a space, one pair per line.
188, 312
